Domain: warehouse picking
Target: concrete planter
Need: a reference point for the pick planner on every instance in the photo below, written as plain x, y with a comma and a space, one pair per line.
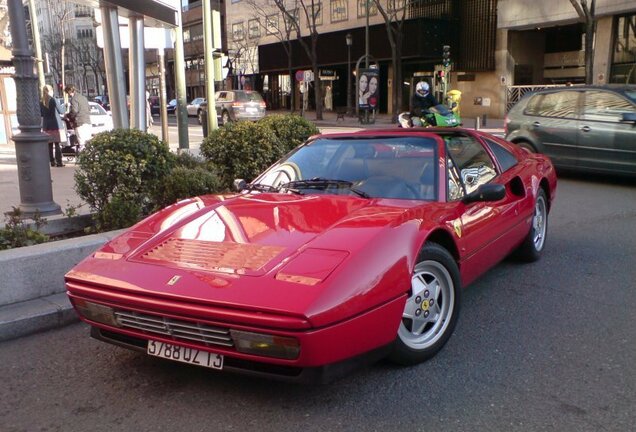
32, 282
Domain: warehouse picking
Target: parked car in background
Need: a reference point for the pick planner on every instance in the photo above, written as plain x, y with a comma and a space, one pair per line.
172, 106
354, 247
583, 128
194, 107
155, 105
101, 120
103, 101
235, 105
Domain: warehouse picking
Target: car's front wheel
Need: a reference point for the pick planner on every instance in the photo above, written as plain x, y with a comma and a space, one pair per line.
431, 309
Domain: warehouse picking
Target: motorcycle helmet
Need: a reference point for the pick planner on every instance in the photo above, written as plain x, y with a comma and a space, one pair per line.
422, 88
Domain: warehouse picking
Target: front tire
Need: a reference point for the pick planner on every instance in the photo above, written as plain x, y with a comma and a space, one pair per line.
534, 243
225, 117
431, 309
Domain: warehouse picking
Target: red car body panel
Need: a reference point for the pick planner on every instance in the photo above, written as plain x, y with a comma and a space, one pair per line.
330, 270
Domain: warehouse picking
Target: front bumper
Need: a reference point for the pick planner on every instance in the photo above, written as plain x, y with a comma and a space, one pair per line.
325, 352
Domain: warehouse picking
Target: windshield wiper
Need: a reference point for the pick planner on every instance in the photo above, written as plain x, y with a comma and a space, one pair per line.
323, 183
260, 187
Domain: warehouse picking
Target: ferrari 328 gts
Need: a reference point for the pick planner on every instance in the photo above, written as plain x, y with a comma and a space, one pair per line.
352, 248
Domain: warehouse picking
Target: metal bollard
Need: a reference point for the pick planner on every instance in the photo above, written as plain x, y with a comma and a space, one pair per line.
477, 121
204, 122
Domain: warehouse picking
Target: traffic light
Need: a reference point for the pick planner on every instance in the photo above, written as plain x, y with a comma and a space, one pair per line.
446, 61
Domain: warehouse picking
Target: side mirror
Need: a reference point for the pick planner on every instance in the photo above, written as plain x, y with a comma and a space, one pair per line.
629, 118
239, 184
485, 193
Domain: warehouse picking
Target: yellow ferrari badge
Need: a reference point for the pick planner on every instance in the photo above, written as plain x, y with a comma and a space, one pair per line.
457, 225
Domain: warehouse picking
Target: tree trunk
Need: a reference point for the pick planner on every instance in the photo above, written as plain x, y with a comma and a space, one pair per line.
590, 27
317, 89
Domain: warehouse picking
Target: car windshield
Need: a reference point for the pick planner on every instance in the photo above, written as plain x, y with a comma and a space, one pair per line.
248, 97
388, 167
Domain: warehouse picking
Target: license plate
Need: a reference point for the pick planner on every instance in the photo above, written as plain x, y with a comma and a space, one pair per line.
251, 110
185, 355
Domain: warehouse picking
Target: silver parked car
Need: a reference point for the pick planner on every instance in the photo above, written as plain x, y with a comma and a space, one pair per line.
235, 105
582, 128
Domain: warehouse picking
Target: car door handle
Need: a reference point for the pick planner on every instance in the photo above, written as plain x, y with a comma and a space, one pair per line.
536, 124
586, 129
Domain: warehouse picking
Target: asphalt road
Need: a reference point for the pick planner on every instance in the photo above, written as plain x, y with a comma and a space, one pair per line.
549, 346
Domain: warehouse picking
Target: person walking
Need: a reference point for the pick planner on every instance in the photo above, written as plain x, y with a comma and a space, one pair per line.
79, 115
51, 112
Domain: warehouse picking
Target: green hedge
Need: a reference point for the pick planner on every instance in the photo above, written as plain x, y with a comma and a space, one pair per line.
245, 149
291, 130
119, 172
240, 150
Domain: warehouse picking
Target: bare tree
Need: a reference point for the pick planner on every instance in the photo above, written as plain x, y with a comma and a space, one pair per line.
587, 16
312, 12
55, 42
282, 32
394, 14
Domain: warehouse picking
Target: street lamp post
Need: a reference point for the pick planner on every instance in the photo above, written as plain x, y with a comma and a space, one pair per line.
31, 150
349, 40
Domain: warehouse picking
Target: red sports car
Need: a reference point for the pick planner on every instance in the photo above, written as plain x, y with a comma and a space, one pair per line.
351, 248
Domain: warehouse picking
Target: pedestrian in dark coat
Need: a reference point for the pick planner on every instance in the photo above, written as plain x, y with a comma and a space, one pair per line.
52, 125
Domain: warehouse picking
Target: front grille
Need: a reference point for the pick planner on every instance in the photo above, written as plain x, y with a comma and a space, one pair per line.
175, 329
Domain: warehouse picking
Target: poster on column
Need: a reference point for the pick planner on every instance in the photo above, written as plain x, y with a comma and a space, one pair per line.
368, 89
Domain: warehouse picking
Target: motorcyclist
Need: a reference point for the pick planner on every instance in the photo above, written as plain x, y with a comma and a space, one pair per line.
421, 102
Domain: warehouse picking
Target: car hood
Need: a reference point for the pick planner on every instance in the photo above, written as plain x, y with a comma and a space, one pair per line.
272, 252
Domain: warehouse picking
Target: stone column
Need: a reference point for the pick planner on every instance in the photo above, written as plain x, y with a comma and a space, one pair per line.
31, 145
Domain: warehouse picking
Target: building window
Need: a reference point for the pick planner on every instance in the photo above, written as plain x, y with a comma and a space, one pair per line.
339, 10
271, 23
254, 27
237, 31
317, 14
362, 8
291, 19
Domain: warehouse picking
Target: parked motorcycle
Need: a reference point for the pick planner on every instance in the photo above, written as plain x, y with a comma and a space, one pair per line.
438, 115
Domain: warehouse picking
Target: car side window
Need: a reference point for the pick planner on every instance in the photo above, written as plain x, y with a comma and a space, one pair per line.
222, 96
561, 104
475, 165
506, 159
605, 106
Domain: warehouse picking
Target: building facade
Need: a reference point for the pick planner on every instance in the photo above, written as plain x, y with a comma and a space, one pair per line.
495, 44
69, 46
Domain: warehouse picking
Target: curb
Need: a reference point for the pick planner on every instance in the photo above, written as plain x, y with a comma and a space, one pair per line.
32, 316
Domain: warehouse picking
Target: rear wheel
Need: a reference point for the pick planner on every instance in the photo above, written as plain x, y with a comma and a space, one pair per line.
527, 146
200, 116
225, 117
431, 309
531, 248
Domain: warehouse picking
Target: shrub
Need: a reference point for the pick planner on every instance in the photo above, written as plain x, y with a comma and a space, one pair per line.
120, 171
291, 130
241, 150
184, 182
18, 233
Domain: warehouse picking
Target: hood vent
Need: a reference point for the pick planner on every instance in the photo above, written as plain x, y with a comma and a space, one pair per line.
214, 256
